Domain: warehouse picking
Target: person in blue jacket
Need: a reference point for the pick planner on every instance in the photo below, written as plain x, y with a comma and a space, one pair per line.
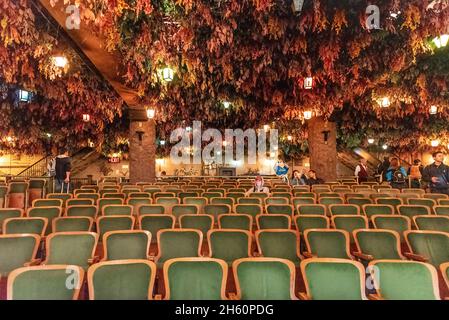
396, 175
281, 170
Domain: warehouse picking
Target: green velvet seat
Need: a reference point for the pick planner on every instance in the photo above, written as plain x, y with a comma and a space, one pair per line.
236, 195
217, 209
305, 222
155, 222
45, 283
327, 243
429, 203
229, 244
377, 244
183, 195
137, 202
80, 202
66, 224
286, 209
235, 221
210, 195
432, 223
311, 209
330, 200
264, 279
106, 202
178, 243
180, 209
223, 200
16, 250
275, 243
344, 209
273, 221
81, 211
395, 202
250, 209
139, 195
441, 210
36, 226
195, 279
250, 200
377, 209
201, 222
413, 210
113, 195
114, 223
62, 196
400, 224
122, 280
333, 279
117, 210
93, 196
47, 203
74, 248
6, 213
360, 202
126, 244
405, 280
45, 212
432, 246
350, 223
151, 209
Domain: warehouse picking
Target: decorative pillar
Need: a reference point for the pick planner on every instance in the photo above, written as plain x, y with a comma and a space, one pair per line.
322, 139
142, 147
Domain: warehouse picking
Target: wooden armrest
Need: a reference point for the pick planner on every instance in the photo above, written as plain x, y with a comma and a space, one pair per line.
33, 262
257, 254
95, 259
233, 296
152, 256
363, 256
308, 255
416, 257
158, 297
374, 297
303, 296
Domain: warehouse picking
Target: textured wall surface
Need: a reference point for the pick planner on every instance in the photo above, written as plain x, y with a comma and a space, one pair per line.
323, 156
142, 154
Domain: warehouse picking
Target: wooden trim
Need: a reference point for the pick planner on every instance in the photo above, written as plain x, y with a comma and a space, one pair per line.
15, 273
295, 232
290, 265
247, 233
392, 232
69, 233
432, 270
160, 232
358, 265
55, 220
444, 269
111, 233
344, 232
5, 223
169, 262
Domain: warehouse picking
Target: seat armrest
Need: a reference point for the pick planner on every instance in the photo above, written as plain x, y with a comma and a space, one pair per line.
233, 296
33, 262
363, 256
158, 297
374, 297
303, 296
308, 255
415, 257
152, 256
95, 259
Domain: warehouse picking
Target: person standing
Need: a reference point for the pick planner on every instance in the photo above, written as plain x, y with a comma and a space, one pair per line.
396, 175
62, 171
361, 171
437, 174
415, 173
382, 169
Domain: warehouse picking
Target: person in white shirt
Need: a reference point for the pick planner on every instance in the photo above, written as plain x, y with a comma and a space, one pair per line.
258, 187
361, 171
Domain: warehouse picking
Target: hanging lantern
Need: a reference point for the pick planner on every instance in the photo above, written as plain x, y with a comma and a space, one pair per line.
441, 41
385, 147
9, 138
60, 61
162, 142
433, 110
385, 102
308, 114
308, 83
167, 74
151, 113
435, 143
289, 138
226, 104
86, 117
370, 140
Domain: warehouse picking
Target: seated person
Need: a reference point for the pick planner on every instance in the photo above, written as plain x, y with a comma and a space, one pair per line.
298, 179
258, 187
312, 178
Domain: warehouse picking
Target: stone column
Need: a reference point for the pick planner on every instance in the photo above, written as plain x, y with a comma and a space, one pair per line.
323, 154
142, 148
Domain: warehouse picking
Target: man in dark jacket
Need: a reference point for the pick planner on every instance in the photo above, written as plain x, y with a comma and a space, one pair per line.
62, 171
437, 174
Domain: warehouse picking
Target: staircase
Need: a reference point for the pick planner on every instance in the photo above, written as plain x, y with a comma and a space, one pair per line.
37, 169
